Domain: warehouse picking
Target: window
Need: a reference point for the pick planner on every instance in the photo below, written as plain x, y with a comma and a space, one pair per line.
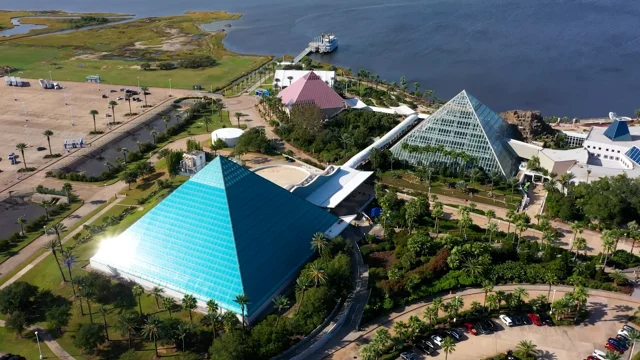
599, 148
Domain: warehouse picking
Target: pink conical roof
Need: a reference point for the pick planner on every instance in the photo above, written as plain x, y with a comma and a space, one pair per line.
310, 89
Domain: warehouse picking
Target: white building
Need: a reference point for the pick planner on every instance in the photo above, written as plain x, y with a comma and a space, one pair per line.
229, 135
192, 162
283, 75
604, 151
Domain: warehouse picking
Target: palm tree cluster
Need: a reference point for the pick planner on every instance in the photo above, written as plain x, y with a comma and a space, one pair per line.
461, 160
570, 305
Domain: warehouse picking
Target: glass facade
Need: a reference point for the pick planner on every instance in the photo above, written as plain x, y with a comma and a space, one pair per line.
463, 124
225, 232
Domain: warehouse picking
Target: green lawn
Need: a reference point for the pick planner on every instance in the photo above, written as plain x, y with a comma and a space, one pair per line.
27, 346
46, 275
36, 234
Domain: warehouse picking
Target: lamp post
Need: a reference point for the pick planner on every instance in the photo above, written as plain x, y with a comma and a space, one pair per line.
138, 77
40, 351
554, 299
169, 87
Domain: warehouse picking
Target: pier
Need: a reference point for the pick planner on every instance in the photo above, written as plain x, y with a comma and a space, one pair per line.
322, 44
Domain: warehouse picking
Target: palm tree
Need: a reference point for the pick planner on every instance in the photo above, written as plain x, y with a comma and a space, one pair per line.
280, 303
520, 227
58, 229
151, 331
320, 243
124, 152
634, 337
303, 283
207, 121
492, 302
51, 245
526, 349
157, 292
243, 301
169, 304
144, 93
580, 244
608, 244
137, 291
448, 346
166, 120
490, 214
183, 331
21, 147
290, 78
69, 258
93, 113
67, 188
487, 287
127, 324
238, 115
437, 213
22, 220
113, 105
550, 279
634, 233
520, 293
431, 314
48, 134
492, 228
154, 134
317, 274
104, 312
88, 293
577, 228
548, 237
213, 307
127, 98
455, 305
189, 303
612, 355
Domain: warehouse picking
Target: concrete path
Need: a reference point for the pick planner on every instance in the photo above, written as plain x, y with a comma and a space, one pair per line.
609, 311
41, 240
46, 338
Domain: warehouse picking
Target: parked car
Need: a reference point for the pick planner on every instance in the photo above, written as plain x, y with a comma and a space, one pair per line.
408, 356
471, 328
506, 320
112, 91
429, 344
483, 329
623, 332
436, 339
454, 334
107, 115
535, 319
546, 319
120, 98
425, 349
526, 320
489, 324
517, 321
599, 354
610, 346
105, 96
591, 357
621, 345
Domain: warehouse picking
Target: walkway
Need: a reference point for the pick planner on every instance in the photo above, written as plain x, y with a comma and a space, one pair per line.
608, 312
38, 244
49, 341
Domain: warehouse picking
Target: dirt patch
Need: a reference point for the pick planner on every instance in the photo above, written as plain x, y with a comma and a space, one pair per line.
93, 56
176, 41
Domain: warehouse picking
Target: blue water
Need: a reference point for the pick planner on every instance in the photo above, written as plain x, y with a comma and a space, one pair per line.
19, 28
564, 57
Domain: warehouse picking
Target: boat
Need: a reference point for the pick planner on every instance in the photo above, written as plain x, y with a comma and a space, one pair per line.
325, 43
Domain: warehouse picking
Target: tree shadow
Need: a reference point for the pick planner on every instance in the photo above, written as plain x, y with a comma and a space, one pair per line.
623, 308
122, 297
546, 355
597, 312
97, 202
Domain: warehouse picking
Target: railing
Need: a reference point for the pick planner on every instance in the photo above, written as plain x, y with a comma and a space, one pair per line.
301, 55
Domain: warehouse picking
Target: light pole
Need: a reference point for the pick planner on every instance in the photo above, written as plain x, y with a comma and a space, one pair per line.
169, 87
40, 351
554, 299
138, 77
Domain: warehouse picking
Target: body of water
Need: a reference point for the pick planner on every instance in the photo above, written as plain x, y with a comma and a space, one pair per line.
564, 57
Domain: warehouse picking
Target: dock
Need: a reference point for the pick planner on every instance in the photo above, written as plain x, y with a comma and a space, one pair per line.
322, 44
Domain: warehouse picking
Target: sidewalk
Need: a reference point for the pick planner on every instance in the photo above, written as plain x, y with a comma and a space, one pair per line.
65, 239
49, 341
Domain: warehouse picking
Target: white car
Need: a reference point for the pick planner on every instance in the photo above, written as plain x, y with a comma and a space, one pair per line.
599, 354
437, 339
506, 320
623, 332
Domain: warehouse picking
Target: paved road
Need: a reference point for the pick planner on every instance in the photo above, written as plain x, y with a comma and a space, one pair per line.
608, 312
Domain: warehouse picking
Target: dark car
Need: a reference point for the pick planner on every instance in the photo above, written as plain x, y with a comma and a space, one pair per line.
525, 320
113, 91
489, 324
454, 334
483, 329
546, 319
618, 344
105, 96
623, 340
517, 320
425, 349
429, 344
610, 346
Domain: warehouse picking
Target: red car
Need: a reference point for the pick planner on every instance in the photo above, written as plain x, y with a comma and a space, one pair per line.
535, 319
610, 346
471, 328
591, 357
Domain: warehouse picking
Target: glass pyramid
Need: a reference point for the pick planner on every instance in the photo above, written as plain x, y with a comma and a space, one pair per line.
618, 131
224, 232
462, 124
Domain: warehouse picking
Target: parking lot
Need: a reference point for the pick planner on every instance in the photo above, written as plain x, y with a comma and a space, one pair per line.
607, 315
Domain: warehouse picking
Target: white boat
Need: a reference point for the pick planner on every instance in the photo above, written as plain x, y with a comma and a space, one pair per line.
325, 43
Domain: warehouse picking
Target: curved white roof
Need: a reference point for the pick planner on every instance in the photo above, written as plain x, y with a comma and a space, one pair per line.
226, 133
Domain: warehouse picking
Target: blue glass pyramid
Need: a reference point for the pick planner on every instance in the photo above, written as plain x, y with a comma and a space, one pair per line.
463, 124
618, 131
224, 232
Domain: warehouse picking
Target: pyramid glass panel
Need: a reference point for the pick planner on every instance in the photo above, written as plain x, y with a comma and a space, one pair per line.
618, 131
462, 124
224, 232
